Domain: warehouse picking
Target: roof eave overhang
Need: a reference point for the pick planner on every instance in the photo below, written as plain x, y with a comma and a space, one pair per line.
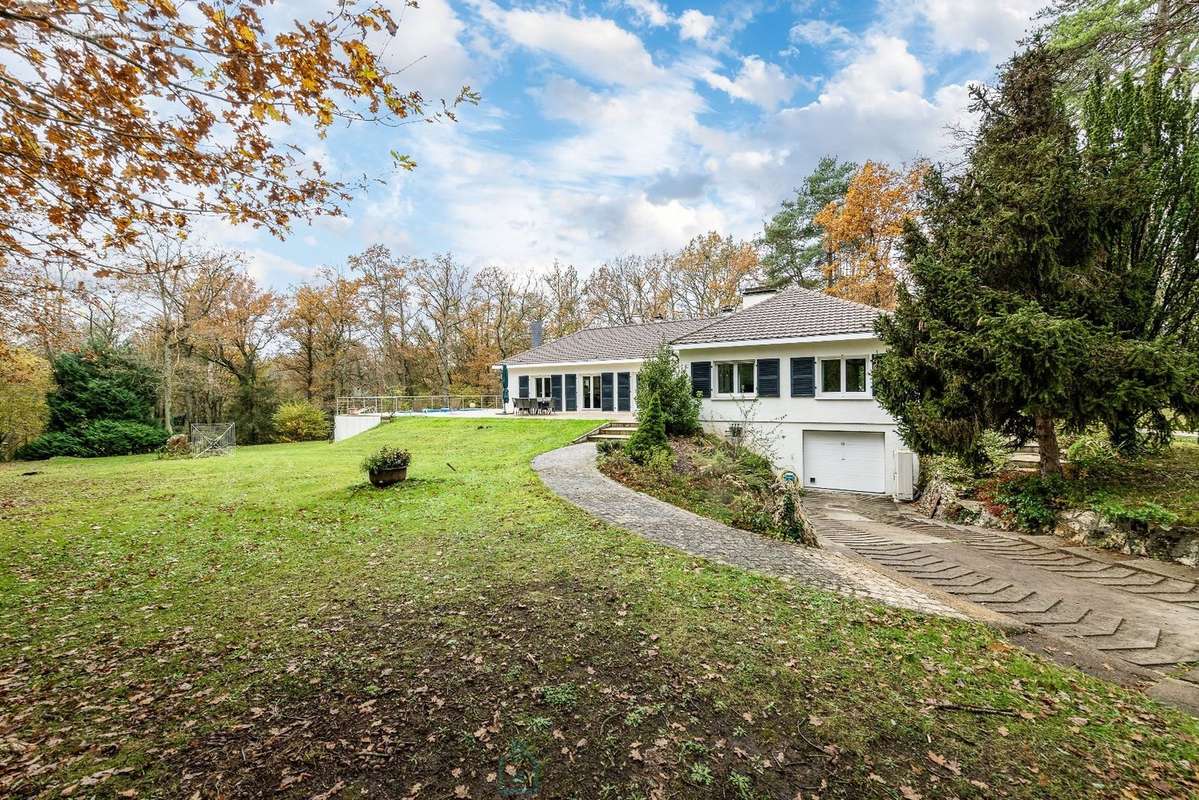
824, 337
632, 360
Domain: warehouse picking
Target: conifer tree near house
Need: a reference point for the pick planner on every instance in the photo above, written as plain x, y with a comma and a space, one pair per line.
1011, 321
650, 435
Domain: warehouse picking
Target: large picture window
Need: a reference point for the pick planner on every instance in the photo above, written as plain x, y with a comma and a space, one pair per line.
845, 377
736, 379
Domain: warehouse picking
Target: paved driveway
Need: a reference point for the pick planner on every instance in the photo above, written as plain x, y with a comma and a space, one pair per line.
1132, 613
570, 472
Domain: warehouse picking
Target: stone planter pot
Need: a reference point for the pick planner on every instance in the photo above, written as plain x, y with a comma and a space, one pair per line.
386, 477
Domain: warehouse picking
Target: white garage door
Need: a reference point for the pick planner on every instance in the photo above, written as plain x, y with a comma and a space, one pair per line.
843, 460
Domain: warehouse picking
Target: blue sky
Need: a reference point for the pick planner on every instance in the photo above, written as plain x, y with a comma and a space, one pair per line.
625, 126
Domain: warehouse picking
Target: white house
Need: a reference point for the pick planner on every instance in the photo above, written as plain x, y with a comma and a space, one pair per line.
790, 373
593, 370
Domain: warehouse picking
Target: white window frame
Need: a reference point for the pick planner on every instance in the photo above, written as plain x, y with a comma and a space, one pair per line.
844, 395
734, 395
541, 382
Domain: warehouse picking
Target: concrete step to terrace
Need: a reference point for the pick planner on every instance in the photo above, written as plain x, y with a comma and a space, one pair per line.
612, 432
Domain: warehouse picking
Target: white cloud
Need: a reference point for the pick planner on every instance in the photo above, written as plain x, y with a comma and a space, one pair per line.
597, 47
979, 25
649, 12
633, 132
427, 47
619, 153
885, 72
820, 33
695, 25
272, 269
758, 82
875, 107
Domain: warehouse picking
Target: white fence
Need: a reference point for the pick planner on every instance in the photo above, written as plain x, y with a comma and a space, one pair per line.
390, 405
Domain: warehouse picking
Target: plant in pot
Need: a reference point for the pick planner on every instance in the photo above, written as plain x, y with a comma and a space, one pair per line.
387, 465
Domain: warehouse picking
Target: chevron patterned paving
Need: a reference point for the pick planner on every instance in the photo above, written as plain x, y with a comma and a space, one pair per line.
1141, 617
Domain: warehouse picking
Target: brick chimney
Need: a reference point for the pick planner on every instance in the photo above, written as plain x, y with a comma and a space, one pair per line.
535, 331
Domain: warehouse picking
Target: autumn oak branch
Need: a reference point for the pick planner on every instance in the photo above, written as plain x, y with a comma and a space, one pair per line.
121, 118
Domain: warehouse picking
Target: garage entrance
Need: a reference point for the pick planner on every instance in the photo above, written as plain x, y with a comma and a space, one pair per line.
850, 460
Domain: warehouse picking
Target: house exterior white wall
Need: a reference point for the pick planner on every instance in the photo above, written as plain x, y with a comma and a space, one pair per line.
579, 370
773, 425
776, 425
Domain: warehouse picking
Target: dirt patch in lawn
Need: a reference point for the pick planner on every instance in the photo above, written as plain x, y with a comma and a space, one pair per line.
505, 700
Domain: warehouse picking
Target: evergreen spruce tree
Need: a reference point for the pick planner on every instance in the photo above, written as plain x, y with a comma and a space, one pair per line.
661, 375
650, 435
1010, 321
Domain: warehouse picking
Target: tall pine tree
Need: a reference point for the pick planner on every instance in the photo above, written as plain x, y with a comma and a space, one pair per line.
1010, 323
792, 243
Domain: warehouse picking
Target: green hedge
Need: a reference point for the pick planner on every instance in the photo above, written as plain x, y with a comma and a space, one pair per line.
102, 437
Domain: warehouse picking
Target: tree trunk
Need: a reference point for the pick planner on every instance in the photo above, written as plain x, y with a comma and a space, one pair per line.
1051, 454
168, 386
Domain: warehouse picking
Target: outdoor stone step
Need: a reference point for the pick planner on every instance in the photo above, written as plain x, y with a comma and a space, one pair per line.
620, 437
991, 586
1061, 615
947, 572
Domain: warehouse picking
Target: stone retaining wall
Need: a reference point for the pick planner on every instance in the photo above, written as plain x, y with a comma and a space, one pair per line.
1077, 526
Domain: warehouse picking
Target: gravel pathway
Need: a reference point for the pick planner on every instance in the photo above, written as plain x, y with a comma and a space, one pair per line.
570, 472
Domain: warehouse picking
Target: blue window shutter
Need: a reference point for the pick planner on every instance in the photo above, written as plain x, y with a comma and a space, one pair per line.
803, 377
556, 392
572, 394
524, 385
606, 391
768, 377
623, 385
701, 377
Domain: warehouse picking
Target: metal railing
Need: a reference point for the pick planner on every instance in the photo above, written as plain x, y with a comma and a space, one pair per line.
417, 403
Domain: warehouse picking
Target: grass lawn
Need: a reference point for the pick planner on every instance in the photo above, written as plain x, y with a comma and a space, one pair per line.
266, 624
1169, 478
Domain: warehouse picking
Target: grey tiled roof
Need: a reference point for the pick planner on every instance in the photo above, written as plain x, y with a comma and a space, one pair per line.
617, 343
793, 312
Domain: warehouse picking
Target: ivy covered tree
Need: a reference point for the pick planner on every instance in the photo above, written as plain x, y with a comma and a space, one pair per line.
793, 249
1142, 156
1012, 319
